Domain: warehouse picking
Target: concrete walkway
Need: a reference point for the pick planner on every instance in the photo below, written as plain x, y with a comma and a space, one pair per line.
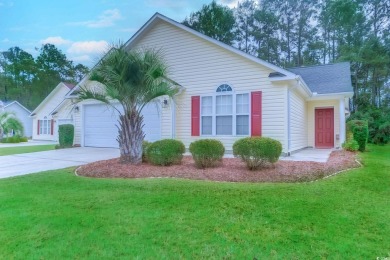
309, 154
20, 164
29, 143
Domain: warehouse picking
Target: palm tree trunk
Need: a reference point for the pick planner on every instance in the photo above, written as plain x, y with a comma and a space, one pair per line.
130, 138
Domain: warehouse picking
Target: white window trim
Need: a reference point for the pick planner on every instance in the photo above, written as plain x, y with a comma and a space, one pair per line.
234, 114
41, 126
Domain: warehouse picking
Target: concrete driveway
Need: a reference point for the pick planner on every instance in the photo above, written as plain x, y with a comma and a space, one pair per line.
20, 164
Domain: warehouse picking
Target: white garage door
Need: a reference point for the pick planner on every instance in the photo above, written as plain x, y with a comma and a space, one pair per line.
100, 125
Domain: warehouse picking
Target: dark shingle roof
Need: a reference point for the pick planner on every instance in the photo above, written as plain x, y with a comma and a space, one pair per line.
326, 79
69, 85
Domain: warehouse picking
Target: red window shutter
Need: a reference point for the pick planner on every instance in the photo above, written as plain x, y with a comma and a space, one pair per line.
52, 127
256, 113
195, 115
39, 121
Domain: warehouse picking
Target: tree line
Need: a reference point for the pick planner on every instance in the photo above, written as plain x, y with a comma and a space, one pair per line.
29, 80
293, 33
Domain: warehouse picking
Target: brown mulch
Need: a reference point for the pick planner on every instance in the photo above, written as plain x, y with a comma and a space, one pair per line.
230, 170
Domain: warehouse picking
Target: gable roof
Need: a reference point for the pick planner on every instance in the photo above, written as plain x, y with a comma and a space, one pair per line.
52, 93
157, 17
9, 103
326, 79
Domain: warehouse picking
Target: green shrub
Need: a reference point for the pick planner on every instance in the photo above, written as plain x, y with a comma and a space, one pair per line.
14, 139
382, 135
165, 152
351, 145
257, 152
378, 123
145, 146
66, 135
207, 152
359, 129
23, 139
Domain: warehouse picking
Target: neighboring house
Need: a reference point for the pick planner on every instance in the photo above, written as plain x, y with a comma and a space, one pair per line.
227, 94
46, 118
21, 113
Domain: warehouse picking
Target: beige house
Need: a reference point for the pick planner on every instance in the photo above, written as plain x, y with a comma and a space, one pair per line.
226, 94
47, 117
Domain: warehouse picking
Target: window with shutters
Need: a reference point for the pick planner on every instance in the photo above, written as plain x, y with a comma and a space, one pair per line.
44, 127
225, 112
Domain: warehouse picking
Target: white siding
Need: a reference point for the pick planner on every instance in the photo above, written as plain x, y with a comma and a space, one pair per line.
23, 116
298, 123
311, 106
200, 67
46, 109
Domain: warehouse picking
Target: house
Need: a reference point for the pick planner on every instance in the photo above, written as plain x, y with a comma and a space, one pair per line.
227, 94
21, 113
46, 118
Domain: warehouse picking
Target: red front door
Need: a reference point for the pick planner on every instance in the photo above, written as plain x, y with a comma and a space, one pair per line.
324, 128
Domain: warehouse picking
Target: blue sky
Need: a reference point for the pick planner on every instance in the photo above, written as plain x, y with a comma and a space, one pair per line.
83, 28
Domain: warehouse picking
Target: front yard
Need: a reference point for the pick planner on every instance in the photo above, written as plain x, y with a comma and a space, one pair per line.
58, 215
25, 149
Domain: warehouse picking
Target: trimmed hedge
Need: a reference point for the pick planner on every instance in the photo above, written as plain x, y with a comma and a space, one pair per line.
359, 129
257, 152
66, 135
207, 152
165, 152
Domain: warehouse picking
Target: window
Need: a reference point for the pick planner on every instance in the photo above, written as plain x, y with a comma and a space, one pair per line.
225, 113
44, 127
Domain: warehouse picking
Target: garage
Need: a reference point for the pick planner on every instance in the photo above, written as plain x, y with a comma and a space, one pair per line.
100, 123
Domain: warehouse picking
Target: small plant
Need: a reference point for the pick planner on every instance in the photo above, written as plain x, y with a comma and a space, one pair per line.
14, 139
257, 152
165, 152
207, 152
351, 145
359, 129
145, 146
66, 135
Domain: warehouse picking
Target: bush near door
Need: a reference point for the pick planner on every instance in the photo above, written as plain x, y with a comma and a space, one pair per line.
359, 129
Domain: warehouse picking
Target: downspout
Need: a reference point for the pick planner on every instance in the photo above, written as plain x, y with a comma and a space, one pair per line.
288, 122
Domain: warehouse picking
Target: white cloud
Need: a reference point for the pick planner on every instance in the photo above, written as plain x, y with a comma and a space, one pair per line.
88, 47
56, 40
5, 40
106, 19
230, 3
81, 59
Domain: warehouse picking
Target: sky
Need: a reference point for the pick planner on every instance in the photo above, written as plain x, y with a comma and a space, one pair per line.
82, 29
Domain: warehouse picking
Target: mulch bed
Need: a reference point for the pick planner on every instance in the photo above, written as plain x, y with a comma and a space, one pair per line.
230, 170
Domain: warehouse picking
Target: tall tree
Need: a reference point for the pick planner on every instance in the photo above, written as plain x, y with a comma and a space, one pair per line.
213, 20
133, 78
245, 16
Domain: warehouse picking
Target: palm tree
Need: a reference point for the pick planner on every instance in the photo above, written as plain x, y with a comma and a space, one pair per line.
9, 123
133, 78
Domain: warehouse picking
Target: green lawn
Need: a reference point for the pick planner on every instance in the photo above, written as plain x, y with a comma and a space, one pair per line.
25, 149
57, 215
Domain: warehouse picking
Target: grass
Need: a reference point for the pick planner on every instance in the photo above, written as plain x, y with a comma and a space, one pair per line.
25, 149
55, 215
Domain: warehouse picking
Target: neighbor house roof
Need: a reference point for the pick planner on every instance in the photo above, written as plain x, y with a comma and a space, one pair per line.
326, 79
9, 103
